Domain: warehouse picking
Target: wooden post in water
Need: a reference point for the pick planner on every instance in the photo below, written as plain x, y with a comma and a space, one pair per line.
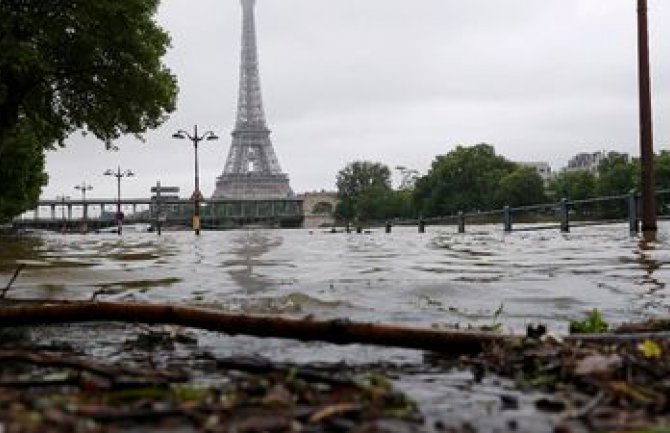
158, 208
633, 220
507, 219
461, 222
565, 216
646, 126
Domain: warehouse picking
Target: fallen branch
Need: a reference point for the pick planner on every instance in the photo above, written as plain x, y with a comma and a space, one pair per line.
336, 331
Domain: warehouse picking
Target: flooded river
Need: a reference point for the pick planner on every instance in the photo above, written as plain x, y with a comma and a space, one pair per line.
438, 278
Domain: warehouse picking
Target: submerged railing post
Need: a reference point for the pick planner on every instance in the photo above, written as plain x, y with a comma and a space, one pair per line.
461, 222
422, 225
388, 226
633, 219
565, 218
507, 219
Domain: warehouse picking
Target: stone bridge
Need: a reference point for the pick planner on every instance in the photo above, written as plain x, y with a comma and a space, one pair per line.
319, 208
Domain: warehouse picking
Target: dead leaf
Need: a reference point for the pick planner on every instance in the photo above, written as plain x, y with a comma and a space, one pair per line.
598, 365
332, 410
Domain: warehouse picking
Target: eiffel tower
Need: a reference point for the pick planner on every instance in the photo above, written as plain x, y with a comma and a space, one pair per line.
252, 170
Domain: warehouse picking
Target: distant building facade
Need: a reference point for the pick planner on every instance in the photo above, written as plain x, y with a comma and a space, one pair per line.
589, 161
542, 168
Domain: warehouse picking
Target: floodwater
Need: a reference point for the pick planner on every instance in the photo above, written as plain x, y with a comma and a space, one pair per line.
433, 279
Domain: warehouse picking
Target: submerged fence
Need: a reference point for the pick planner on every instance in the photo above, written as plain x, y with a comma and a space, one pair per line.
563, 216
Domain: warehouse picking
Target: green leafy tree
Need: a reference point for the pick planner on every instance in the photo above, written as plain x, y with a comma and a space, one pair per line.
21, 175
616, 175
71, 65
662, 164
573, 185
363, 188
465, 179
524, 186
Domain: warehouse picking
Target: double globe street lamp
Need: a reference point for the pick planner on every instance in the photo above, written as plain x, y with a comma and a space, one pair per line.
197, 195
83, 188
118, 174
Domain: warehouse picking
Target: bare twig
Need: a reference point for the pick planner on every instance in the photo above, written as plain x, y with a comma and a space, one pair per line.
107, 371
11, 281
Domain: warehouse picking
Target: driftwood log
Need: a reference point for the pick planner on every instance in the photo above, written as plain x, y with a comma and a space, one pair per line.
338, 331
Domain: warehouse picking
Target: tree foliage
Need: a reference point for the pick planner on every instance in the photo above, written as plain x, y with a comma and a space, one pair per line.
364, 189
466, 179
573, 185
68, 65
617, 175
521, 187
662, 166
21, 175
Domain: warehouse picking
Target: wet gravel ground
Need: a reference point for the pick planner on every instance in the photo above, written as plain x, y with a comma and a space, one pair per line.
173, 379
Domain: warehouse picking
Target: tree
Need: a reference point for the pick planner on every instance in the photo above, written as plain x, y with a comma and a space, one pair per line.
524, 186
573, 185
363, 187
68, 65
616, 175
21, 175
662, 166
465, 179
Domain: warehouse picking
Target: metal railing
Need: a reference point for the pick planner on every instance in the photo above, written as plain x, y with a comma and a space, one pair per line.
562, 215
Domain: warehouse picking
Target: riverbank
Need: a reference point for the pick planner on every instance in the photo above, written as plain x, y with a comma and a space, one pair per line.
124, 377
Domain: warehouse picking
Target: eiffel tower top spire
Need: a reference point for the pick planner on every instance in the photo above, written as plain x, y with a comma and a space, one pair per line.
250, 113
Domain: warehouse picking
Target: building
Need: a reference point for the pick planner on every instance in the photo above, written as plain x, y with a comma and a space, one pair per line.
590, 161
542, 168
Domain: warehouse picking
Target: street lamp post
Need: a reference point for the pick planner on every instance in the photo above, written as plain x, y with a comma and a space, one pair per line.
62, 199
83, 188
197, 195
118, 174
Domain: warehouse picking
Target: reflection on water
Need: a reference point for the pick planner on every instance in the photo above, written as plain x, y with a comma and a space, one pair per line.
440, 277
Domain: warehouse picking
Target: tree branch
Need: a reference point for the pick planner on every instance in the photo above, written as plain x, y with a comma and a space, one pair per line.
336, 331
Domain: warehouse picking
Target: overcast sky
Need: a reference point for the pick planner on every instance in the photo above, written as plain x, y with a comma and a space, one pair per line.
396, 81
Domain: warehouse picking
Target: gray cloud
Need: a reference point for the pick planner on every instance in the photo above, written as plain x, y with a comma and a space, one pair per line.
398, 81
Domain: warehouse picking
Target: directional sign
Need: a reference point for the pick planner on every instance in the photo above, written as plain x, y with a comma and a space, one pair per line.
165, 189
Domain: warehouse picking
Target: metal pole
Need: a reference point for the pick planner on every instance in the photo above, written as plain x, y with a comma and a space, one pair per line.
461, 222
196, 194
565, 216
646, 126
118, 202
632, 212
158, 207
507, 219
85, 206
